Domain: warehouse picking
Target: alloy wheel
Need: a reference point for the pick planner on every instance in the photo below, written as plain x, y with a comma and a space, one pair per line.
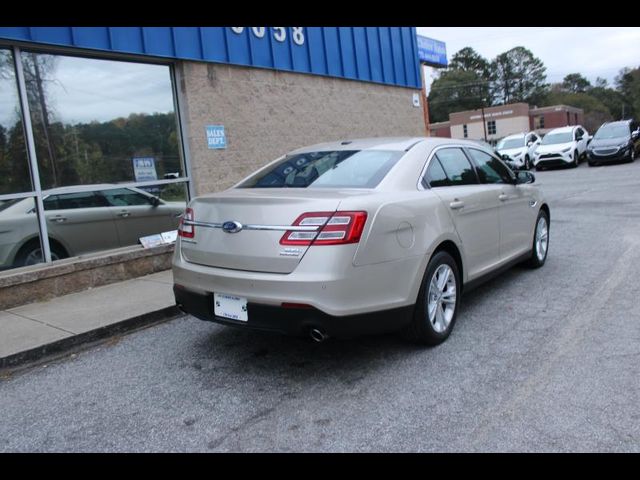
441, 300
542, 238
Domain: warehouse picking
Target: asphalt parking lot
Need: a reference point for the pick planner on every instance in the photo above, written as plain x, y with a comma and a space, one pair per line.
540, 360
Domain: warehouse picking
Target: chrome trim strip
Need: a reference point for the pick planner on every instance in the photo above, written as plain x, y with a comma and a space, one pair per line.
281, 228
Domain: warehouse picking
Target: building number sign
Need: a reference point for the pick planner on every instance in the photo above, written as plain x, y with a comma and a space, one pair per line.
279, 33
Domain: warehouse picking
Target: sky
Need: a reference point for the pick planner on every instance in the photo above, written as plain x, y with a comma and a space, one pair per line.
591, 51
84, 90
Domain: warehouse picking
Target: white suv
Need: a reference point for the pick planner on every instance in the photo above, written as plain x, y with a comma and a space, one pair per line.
519, 150
564, 146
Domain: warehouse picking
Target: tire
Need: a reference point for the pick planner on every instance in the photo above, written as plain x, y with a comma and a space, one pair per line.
576, 159
527, 163
632, 155
434, 329
31, 253
539, 257
539, 169
593, 164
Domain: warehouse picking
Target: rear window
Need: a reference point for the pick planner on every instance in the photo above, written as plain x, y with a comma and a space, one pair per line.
332, 169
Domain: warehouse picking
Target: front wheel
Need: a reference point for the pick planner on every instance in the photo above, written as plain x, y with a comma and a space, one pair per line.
437, 304
540, 241
576, 159
527, 163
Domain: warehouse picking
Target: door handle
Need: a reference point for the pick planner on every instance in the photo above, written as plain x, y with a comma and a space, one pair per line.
503, 197
58, 219
124, 214
456, 205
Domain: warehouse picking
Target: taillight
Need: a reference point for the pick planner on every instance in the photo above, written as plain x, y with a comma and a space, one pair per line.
186, 231
338, 228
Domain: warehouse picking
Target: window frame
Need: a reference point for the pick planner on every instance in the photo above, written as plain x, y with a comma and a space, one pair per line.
512, 174
37, 192
422, 180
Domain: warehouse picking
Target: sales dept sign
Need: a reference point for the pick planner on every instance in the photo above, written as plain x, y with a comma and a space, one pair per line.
216, 137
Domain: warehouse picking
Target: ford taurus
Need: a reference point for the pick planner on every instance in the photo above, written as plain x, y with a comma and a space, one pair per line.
357, 237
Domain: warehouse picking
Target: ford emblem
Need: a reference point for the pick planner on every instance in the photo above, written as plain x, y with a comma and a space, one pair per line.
231, 227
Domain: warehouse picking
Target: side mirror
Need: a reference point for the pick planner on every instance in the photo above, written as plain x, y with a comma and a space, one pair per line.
635, 134
578, 138
529, 143
524, 177
155, 201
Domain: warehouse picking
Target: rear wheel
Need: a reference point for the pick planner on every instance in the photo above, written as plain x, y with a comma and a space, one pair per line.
540, 245
31, 253
437, 305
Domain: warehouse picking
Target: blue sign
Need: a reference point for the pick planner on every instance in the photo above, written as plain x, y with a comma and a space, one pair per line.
432, 52
144, 169
216, 137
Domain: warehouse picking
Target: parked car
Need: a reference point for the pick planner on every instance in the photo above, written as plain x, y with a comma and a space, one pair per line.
564, 146
614, 141
360, 236
518, 150
99, 217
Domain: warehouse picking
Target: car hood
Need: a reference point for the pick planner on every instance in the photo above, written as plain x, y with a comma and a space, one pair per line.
511, 151
608, 142
553, 148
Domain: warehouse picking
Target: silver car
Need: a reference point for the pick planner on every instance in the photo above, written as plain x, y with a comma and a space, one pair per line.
357, 237
89, 219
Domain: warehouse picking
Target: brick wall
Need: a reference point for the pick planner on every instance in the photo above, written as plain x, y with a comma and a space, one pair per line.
267, 113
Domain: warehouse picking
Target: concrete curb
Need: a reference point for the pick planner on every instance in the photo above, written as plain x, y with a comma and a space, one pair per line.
62, 347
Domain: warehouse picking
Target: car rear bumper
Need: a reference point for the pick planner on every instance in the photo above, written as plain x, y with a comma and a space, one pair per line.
295, 321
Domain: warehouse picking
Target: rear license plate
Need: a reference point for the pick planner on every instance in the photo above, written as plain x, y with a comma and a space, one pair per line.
230, 306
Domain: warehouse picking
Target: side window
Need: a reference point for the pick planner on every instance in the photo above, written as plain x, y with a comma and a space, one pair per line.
435, 176
71, 201
534, 138
456, 166
490, 169
123, 197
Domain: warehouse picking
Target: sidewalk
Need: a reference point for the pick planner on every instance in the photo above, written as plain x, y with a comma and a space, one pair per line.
33, 331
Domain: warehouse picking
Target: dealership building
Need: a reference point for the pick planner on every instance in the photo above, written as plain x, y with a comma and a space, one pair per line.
106, 132
494, 123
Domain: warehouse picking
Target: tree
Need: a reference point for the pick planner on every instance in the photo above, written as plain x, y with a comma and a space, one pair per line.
628, 84
468, 60
454, 91
575, 83
518, 76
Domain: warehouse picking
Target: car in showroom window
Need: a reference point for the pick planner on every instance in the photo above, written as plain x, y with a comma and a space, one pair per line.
357, 237
99, 218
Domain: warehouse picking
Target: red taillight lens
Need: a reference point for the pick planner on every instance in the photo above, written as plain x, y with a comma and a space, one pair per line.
186, 231
338, 228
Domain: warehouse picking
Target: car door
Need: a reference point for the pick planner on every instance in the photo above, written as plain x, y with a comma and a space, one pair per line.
82, 222
515, 213
138, 215
473, 207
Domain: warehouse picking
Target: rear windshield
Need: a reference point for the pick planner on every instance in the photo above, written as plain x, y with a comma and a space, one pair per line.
332, 169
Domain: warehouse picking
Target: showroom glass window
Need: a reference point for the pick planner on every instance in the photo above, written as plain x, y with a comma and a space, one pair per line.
92, 117
14, 166
102, 137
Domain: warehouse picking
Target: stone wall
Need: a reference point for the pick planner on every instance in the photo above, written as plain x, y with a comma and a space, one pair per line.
267, 113
39, 283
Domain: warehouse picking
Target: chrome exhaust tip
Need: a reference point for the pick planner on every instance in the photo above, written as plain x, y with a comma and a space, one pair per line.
318, 335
